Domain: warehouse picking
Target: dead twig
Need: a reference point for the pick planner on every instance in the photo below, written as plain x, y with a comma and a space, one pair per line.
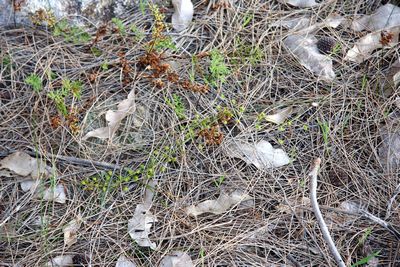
314, 203
74, 160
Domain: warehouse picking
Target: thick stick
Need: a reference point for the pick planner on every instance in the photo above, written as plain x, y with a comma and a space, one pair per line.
73, 160
324, 229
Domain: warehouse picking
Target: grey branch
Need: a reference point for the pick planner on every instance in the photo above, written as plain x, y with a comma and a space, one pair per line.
324, 229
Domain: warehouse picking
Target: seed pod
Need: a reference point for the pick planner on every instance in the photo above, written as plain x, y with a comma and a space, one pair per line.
325, 45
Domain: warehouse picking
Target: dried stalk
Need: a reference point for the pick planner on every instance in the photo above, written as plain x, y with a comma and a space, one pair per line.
324, 229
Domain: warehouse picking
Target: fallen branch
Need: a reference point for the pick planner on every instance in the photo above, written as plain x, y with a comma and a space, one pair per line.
77, 161
314, 203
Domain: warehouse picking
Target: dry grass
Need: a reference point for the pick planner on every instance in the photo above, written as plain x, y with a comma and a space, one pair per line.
257, 235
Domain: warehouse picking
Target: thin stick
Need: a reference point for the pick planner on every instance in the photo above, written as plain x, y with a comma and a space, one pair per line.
392, 199
324, 229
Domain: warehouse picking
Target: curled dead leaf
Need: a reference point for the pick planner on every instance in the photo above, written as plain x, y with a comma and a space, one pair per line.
177, 259
280, 116
124, 262
386, 16
139, 226
260, 154
71, 230
114, 118
366, 45
183, 14
24, 165
306, 50
299, 3
218, 206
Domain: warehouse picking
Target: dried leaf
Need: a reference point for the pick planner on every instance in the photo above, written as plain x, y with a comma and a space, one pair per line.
114, 118
177, 259
306, 50
293, 24
61, 261
71, 230
24, 165
124, 262
218, 206
280, 116
389, 150
56, 194
139, 226
387, 16
366, 45
183, 14
396, 78
261, 154
299, 3
29, 185
295, 204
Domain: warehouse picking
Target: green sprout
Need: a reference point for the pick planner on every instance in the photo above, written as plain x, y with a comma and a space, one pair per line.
119, 24
35, 82
218, 69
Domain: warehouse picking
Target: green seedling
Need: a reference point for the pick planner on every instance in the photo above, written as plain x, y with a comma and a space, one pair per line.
365, 236
142, 6
324, 126
336, 49
74, 34
220, 180
96, 51
366, 259
139, 35
73, 87
176, 104
364, 82
219, 71
247, 19
119, 24
104, 66
6, 62
164, 43
35, 82
58, 97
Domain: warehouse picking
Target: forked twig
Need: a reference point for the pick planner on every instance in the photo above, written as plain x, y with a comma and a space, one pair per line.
324, 229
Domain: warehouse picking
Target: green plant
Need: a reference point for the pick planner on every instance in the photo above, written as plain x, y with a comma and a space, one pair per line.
142, 6
364, 82
58, 96
259, 120
219, 181
109, 181
247, 19
35, 82
68, 87
324, 126
6, 61
104, 65
336, 49
70, 33
96, 51
119, 24
366, 259
139, 35
364, 237
73, 87
247, 52
218, 69
165, 43
177, 106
